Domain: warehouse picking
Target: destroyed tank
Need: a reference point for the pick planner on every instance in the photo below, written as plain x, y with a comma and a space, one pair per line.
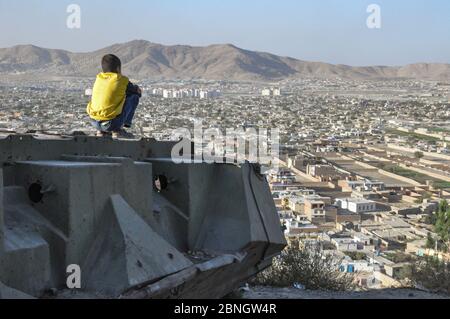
134, 223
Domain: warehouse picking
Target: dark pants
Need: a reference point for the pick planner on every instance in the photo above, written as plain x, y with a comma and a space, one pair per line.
125, 118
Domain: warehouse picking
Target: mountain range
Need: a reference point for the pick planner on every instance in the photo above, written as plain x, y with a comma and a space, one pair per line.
144, 59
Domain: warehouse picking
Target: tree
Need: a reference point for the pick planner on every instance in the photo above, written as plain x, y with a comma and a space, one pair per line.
442, 225
418, 155
431, 243
443, 206
431, 273
429, 219
309, 266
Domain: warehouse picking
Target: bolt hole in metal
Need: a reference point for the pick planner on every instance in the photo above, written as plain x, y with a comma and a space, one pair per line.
160, 183
35, 192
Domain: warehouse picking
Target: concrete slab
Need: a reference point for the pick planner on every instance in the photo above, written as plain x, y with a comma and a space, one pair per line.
128, 252
10, 293
26, 261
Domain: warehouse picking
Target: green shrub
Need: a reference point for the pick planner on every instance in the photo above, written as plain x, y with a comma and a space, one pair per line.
308, 266
432, 273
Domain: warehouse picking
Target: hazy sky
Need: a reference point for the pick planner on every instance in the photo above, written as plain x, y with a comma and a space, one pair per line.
317, 30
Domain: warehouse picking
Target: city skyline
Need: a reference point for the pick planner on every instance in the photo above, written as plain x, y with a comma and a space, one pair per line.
329, 32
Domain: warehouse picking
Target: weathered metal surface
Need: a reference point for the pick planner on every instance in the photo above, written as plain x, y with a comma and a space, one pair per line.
91, 202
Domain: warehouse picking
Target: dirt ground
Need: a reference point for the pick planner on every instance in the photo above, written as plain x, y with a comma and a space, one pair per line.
293, 293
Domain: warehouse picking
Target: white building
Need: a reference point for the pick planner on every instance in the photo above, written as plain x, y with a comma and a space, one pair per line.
345, 244
186, 93
356, 266
167, 94
356, 205
276, 92
271, 92
204, 94
157, 92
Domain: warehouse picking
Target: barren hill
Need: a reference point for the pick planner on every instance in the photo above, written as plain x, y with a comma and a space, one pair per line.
143, 59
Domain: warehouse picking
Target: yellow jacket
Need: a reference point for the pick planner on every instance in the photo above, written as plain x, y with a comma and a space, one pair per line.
108, 96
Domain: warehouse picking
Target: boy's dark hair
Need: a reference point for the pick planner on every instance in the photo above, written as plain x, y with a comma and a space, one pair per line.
111, 63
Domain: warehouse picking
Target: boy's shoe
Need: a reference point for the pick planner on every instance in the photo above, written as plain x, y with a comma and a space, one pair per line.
102, 134
127, 125
122, 134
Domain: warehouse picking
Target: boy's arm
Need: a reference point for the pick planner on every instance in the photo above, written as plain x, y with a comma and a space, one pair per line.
133, 89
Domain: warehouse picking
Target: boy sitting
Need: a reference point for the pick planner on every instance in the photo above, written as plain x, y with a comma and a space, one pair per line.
114, 100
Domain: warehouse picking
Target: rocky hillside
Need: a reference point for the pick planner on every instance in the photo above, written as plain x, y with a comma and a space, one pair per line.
143, 59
